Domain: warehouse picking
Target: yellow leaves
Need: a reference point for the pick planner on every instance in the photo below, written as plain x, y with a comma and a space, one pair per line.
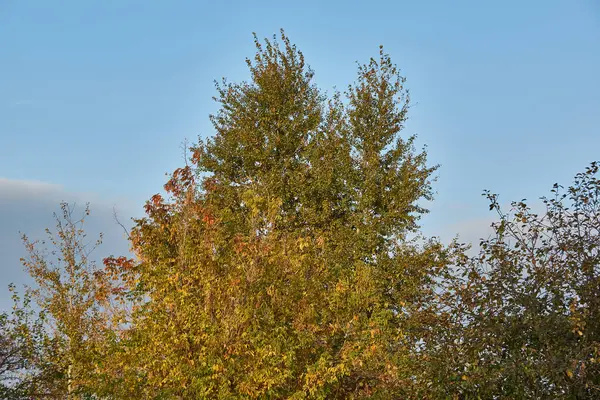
252, 201
334, 327
174, 277
260, 205
391, 369
303, 243
573, 306
569, 373
320, 241
358, 362
323, 373
340, 287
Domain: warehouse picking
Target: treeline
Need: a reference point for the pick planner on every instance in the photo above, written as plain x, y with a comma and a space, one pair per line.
282, 263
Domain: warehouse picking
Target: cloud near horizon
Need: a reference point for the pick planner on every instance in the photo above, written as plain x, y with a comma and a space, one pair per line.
27, 207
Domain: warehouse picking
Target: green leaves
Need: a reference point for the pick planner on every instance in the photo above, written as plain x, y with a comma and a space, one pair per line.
277, 265
285, 292
525, 311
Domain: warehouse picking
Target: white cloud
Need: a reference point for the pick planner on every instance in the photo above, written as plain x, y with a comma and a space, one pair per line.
17, 189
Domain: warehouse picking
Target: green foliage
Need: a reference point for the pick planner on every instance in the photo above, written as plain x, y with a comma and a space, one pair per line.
63, 346
284, 272
526, 308
279, 266
20, 336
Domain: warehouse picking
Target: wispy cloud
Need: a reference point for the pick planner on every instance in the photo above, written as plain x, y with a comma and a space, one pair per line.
20, 189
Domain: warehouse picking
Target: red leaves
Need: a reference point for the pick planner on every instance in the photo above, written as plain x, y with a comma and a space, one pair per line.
181, 181
196, 156
119, 270
208, 219
118, 264
118, 290
210, 184
239, 244
156, 206
156, 200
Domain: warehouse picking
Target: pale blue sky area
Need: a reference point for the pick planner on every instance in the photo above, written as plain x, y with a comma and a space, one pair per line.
97, 96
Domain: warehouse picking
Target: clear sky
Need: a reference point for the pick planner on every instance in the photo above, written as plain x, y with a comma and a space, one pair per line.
96, 97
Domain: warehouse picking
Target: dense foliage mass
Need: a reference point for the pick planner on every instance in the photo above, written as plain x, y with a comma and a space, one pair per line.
281, 264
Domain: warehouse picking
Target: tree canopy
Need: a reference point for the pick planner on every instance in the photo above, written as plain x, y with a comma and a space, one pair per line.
284, 261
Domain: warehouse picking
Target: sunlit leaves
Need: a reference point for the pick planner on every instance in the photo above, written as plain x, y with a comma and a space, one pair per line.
275, 267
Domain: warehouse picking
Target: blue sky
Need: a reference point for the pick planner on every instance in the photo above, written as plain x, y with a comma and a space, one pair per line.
96, 98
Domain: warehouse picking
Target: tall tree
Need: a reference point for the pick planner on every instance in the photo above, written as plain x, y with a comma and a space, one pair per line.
278, 266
